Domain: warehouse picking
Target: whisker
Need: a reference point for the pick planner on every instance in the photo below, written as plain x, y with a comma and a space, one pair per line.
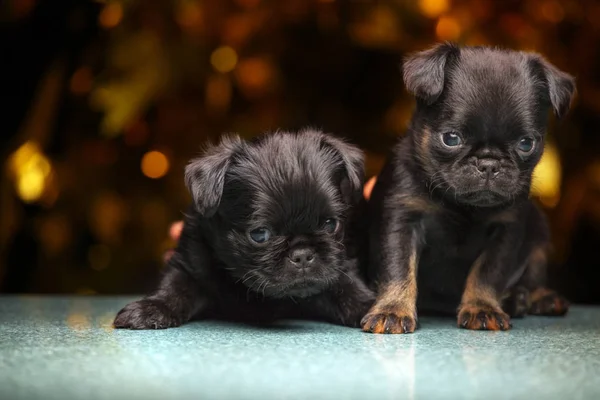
340, 270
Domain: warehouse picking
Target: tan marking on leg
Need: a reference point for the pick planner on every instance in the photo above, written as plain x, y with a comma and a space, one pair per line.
480, 308
394, 310
540, 293
401, 296
474, 290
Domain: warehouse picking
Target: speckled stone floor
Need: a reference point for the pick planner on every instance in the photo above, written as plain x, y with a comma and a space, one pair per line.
64, 348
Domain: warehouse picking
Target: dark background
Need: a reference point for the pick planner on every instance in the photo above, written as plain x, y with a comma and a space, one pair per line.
103, 103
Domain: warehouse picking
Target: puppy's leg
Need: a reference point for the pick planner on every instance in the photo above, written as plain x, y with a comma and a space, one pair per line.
489, 278
175, 302
395, 310
542, 301
480, 307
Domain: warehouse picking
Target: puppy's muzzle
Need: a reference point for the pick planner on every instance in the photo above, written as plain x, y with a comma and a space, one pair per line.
302, 257
488, 168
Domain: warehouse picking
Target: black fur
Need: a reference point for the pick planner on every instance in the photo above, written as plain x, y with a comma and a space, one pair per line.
290, 183
455, 204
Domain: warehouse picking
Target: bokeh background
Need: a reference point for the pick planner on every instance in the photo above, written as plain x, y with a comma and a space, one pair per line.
103, 103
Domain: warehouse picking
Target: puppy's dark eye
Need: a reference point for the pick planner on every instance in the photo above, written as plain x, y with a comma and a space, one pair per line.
526, 145
331, 225
451, 139
260, 235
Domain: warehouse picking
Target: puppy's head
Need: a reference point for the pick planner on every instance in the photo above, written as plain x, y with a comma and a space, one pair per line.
481, 118
278, 207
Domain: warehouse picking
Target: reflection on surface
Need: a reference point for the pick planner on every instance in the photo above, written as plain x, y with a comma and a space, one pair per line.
398, 365
78, 321
69, 345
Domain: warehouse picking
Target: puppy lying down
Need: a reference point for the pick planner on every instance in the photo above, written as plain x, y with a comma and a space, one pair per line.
268, 236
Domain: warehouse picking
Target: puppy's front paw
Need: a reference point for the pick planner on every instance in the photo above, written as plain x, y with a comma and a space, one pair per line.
389, 322
549, 303
483, 317
146, 314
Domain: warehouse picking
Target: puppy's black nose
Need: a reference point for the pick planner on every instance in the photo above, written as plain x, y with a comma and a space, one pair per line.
488, 166
302, 257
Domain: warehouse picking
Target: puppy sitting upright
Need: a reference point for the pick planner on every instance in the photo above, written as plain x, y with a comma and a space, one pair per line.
452, 205
267, 237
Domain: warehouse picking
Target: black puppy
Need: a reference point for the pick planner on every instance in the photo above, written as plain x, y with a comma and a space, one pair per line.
452, 206
268, 236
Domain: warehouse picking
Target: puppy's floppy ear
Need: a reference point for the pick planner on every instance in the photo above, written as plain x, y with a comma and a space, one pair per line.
424, 72
205, 175
353, 160
561, 86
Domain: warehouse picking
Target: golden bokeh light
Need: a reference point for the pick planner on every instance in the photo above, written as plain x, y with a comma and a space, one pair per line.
31, 170
224, 59
547, 177
155, 164
111, 15
31, 186
433, 8
447, 28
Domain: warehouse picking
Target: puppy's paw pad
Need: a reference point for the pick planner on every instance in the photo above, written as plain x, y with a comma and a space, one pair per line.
387, 322
146, 314
487, 318
550, 304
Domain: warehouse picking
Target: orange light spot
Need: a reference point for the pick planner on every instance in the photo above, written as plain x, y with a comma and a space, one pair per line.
111, 15
433, 8
155, 164
224, 59
447, 28
254, 73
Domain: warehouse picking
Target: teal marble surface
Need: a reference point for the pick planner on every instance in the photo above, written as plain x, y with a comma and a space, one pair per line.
65, 348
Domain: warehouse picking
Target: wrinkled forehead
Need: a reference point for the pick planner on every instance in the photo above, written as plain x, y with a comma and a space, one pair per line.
297, 205
289, 188
493, 91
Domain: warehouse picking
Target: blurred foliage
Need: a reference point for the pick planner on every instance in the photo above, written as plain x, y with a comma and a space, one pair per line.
94, 171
